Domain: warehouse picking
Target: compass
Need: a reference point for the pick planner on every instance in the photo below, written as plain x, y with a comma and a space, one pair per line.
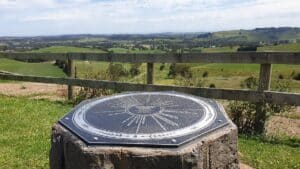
145, 119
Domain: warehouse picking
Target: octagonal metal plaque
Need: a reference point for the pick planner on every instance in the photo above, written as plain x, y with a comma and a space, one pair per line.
158, 119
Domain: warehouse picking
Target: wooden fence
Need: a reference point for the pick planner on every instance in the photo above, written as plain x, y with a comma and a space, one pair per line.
262, 94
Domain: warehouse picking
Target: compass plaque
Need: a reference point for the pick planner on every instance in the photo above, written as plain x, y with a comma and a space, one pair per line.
157, 119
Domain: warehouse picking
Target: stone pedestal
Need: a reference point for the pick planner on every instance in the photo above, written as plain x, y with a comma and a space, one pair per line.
146, 130
214, 150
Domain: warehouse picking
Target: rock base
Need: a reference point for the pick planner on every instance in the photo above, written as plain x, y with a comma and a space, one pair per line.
215, 150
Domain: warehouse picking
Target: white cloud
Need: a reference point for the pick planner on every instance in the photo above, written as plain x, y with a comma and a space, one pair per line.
121, 16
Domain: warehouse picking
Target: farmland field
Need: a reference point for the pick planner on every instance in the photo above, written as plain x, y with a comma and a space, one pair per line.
38, 69
65, 49
221, 75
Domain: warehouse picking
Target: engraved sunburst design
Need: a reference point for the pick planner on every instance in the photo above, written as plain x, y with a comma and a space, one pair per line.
163, 112
144, 116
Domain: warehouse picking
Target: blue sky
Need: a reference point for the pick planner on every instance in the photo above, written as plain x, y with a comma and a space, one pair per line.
52, 17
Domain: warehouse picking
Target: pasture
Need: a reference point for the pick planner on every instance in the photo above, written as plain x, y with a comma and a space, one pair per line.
221, 75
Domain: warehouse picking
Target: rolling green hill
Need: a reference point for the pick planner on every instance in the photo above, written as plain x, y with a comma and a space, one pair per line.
255, 35
37, 69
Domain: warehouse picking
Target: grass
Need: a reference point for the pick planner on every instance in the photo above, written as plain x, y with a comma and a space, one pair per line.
65, 49
44, 68
123, 50
222, 75
25, 127
37, 69
217, 49
265, 155
292, 47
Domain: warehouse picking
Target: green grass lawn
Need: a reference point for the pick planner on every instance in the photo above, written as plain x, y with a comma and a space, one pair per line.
264, 155
37, 69
25, 127
293, 47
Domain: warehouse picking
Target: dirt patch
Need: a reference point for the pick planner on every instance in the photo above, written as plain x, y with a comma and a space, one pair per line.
34, 90
278, 126
245, 166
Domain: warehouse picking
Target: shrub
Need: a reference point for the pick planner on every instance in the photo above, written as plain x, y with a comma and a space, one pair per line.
297, 76
172, 72
280, 76
183, 70
251, 117
212, 85
243, 115
250, 83
205, 74
62, 65
135, 69
85, 93
115, 71
162, 67
247, 48
293, 74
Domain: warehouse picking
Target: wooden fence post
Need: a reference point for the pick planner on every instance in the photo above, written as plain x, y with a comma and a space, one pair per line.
71, 74
264, 84
150, 67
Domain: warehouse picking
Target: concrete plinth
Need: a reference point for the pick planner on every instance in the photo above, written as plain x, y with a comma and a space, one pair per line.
217, 149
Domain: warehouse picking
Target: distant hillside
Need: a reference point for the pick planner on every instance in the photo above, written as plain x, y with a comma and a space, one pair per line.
255, 35
157, 41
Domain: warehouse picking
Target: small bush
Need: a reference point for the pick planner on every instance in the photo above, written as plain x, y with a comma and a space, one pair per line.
115, 71
85, 93
62, 65
212, 85
251, 117
250, 83
293, 74
247, 48
183, 70
243, 115
297, 76
194, 81
205, 74
135, 69
280, 76
172, 72
162, 67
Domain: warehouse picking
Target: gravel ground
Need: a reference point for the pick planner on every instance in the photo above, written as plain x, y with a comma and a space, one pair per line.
36, 90
278, 126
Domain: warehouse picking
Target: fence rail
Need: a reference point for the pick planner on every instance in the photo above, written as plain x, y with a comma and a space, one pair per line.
239, 57
265, 59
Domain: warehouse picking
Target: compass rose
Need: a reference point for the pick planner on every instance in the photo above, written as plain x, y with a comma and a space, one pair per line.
163, 112
143, 116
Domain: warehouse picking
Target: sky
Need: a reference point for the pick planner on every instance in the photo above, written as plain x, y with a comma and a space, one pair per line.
56, 17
